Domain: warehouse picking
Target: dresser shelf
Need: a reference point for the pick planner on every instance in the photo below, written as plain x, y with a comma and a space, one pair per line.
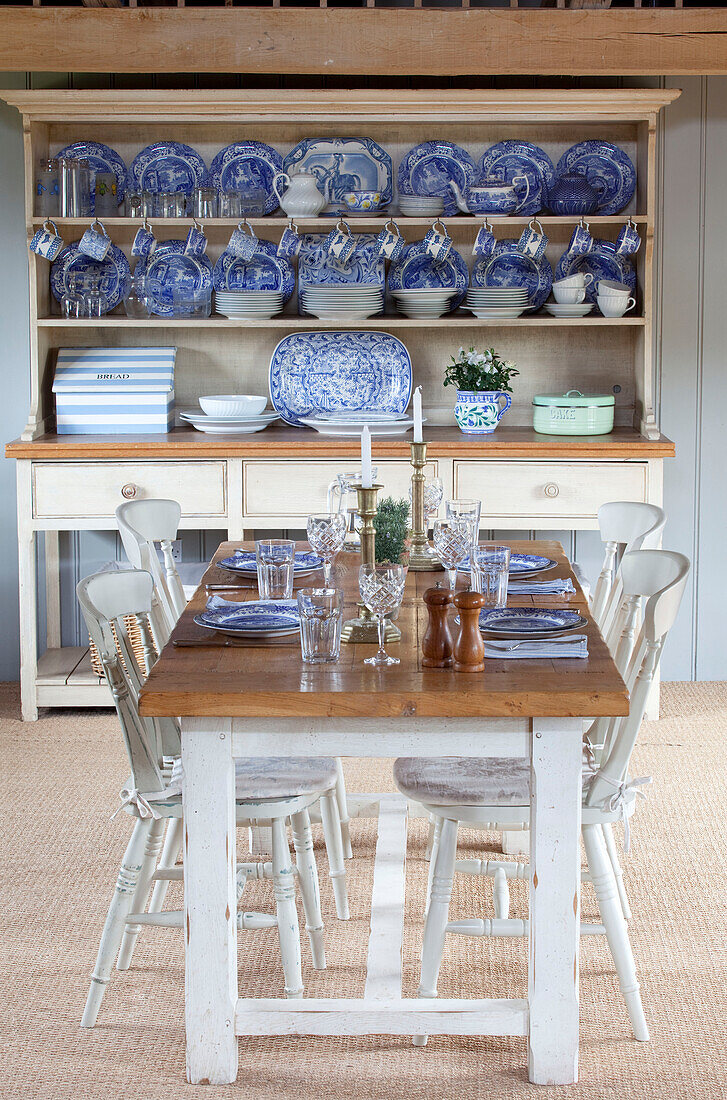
391, 321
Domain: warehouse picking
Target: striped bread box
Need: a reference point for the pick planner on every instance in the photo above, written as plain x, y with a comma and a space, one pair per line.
114, 390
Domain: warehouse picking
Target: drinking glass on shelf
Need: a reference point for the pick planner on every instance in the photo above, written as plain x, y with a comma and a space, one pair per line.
465, 511
191, 303
326, 534
275, 562
139, 204
136, 302
171, 204
452, 542
252, 203
433, 493
321, 615
69, 194
230, 205
204, 202
489, 570
95, 301
72, 303
381, 588
47, 188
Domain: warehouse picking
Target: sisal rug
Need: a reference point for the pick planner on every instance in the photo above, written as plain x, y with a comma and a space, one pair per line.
60, 779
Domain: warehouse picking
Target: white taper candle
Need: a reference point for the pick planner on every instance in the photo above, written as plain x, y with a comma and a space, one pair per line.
418, 415
366, 475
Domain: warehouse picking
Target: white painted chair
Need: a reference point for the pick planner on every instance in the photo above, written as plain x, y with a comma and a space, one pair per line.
624, 525
475, 791
268, 791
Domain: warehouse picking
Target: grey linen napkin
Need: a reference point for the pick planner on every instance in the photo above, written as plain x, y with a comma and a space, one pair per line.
572, 645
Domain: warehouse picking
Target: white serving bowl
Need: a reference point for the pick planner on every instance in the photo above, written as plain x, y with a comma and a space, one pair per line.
233, 404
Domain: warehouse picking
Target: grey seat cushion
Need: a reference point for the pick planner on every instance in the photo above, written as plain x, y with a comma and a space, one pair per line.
464, 780
282, 776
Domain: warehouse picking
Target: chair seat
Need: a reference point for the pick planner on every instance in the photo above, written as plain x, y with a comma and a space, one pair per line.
283, 776
468, 781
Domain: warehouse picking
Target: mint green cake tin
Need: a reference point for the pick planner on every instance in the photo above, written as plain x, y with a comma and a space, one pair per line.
573, 413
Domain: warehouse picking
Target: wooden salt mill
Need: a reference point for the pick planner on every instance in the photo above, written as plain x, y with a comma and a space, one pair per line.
469, 649
437, 642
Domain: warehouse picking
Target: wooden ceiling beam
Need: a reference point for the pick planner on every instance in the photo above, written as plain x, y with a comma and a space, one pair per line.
376, 42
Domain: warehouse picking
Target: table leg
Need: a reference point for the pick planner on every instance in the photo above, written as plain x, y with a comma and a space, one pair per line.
210, 900
555, 874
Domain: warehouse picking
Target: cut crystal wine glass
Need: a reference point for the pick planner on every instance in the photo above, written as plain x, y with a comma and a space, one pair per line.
452, 542
326, 534
381, 588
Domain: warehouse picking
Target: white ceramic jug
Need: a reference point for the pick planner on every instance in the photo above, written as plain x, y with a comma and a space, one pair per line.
301, 198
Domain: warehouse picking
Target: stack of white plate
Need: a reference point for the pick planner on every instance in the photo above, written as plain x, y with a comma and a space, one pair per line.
497, 302
251, 304
423, 303
342, 303
421, 206
351, 423
228, 425
557, 310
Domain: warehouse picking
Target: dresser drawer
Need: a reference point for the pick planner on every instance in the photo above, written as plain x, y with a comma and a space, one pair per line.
283, 490
513, 493
94, 490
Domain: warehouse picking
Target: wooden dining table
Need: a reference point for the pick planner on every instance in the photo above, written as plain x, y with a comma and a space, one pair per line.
262, 700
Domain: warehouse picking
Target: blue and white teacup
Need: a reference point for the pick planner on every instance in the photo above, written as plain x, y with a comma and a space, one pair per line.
47, 242
144, 242
196, 242
243, 244
533, 241
289, 243
484, 241
340, 245
390, 242
437, 241
581, 241
95, 242
628, 241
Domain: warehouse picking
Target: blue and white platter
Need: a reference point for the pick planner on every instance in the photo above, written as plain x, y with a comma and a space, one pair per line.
341, 165
101, 158
113, 273
606, 165
603, 262
247, 166
417, 270
508, 159
429, 168
167, 269
314, 372
521, 565
167, 166
244, 561
265, 271
529, 622
317, 268
509, 267
256, 619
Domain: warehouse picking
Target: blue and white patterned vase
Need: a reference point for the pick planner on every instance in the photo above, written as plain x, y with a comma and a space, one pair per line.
479, 413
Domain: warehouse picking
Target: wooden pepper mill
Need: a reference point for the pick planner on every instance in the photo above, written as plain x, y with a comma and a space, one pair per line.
437, 642
469, 649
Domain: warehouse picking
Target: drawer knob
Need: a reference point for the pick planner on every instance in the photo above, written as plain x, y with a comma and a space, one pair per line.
551, 489
129, 491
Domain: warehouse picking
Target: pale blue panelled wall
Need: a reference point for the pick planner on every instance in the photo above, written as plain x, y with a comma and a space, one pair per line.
690, 369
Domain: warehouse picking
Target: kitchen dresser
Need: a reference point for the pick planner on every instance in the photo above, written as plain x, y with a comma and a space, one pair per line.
526, 481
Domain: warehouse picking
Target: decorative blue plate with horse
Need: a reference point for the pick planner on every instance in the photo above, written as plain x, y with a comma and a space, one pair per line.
341, 165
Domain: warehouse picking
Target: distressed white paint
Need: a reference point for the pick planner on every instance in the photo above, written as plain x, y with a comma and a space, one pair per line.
383, 968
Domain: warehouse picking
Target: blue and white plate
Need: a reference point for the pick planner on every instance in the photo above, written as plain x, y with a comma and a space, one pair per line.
341, 165
244, 561
429, 168
167, 166
101, 158
508, 267
417, 270
521, 565
605, 165
603, 262
317, 268
529, 622
265, 271
507, 159
113, 273
167, 269
247, 166
256, 619
314, 372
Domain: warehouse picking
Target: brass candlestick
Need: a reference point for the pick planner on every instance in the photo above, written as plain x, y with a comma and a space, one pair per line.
364, 629
421, 556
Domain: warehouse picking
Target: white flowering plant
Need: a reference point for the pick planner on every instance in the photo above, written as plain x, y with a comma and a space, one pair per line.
480, 372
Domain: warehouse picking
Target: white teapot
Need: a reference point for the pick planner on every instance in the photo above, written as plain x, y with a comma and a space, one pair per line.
302, 197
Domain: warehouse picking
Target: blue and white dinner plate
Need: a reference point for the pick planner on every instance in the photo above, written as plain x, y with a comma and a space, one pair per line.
509, 267
606, 166
101, 158
247, 166
521, 565
167, 166
317, 268
113, 273
244, 561
265, 271
603, 262
429, 168
324, 372
256, 619
167, 269
507, 159
529, 622
341, 165
416, 270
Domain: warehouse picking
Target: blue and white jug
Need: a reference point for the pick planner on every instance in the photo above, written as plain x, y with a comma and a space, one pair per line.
479, 413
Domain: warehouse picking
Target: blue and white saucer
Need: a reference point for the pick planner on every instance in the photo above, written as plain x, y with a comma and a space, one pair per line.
244, 561
529, 622
256, 619
417, 270
521, 565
